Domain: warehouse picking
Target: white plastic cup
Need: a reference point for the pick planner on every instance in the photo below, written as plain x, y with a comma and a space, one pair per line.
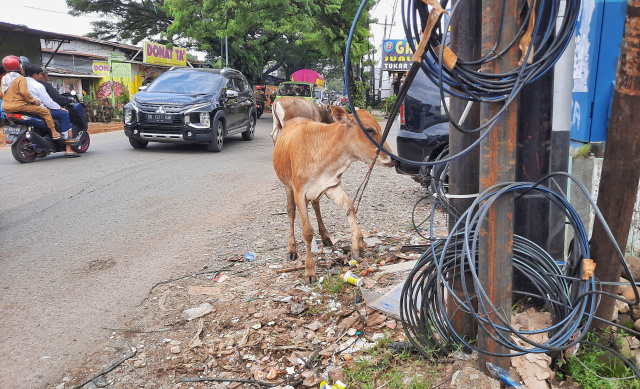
352, 279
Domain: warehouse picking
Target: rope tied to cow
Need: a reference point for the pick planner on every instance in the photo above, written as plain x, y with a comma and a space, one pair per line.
362, 187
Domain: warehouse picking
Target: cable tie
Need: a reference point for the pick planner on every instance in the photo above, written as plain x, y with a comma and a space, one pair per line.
525, 41
449, 58
434, 15
588, 267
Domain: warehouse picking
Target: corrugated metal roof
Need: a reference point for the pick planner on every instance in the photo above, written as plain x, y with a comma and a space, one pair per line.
59, 72
51, 51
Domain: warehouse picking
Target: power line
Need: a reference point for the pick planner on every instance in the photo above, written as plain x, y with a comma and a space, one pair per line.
63, 13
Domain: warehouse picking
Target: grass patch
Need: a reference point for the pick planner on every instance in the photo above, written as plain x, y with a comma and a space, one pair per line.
595, 368
379, 366
333, 284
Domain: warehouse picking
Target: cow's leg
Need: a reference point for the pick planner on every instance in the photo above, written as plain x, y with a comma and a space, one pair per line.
324, 235
307, 234
292, 252
338, 196
278, 118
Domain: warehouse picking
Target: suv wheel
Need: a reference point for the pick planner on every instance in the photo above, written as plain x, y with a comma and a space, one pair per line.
251, 129
218, 137
138, 144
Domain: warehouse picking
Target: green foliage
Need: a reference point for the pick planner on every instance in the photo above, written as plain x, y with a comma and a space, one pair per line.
136, 20
360, 94
584, 151
595, 368
261, 33
389, 103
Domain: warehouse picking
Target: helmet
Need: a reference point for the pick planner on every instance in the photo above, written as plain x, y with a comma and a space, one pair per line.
11, 63
24, 61
258, 87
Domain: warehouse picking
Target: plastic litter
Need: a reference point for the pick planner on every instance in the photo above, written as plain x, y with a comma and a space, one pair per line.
338, 385
352, 279
249, 256
197, 312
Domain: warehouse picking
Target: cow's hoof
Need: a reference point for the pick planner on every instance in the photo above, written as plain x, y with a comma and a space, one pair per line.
310, 278
355, 254
327, 242
292, 256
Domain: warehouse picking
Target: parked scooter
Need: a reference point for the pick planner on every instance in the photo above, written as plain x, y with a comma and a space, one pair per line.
30, 138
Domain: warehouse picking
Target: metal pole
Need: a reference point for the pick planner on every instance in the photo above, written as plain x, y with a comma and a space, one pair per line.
226, 46
533, 152
463, 172
497, 162
621, 165
384, 36
113, 96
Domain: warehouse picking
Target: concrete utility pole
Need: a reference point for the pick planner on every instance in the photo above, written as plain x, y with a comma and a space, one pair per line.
463, 172
560, 134
621, 165
384, 36
497, 164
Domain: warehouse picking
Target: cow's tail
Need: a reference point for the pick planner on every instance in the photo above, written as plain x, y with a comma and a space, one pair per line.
278, 118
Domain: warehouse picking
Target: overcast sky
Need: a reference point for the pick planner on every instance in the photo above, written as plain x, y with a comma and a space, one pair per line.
52, 16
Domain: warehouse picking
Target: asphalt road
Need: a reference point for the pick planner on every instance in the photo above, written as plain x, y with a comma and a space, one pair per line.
82, 240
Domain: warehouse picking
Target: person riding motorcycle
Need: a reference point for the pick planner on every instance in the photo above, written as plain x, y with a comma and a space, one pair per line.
39, 92
63, 101
260, 98
15, 94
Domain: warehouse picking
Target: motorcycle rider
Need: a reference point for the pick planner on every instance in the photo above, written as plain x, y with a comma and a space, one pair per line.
39, 93
43, 78
259, 94
15, 94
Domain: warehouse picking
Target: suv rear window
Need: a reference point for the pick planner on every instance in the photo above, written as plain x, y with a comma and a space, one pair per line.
187, 83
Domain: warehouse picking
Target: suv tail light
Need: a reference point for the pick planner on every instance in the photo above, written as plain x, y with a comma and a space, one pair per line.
402, 114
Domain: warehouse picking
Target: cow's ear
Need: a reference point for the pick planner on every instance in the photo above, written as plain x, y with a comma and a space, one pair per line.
340, 114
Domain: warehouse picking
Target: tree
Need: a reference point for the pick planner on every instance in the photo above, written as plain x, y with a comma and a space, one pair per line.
289, 34
136, 20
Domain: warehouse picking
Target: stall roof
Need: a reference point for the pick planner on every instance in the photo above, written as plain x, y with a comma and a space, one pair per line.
24, 30
59, 72
51, 51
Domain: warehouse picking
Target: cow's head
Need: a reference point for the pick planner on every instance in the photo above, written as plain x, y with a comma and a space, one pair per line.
367, 150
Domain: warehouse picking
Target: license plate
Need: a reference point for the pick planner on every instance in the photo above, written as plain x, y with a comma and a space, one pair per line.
159, 118
12, 130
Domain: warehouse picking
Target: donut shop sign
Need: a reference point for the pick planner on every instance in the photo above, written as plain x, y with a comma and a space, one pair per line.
158, 54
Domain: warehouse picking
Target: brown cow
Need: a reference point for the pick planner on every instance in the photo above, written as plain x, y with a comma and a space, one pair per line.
288, 108
310, 158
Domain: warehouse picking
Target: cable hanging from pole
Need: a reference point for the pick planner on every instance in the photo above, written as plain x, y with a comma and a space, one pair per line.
461, 79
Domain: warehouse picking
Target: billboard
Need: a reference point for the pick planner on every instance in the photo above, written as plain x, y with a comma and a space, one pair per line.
158, 54
396, 55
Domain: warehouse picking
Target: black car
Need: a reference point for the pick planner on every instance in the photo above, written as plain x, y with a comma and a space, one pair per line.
424, 128
192, 105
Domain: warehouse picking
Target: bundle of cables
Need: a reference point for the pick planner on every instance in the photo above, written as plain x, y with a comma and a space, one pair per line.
568, 290
462, 78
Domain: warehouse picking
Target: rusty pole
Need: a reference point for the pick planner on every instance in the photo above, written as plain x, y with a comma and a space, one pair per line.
497, 164
463, 172
621, 165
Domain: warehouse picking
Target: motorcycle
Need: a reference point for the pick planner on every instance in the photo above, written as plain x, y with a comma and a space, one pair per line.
30, 138
259, 109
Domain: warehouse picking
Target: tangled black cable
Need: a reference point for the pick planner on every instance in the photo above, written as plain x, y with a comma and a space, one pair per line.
463, 80
571, 300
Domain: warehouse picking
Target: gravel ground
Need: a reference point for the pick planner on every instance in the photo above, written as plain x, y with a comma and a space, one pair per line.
258, 313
